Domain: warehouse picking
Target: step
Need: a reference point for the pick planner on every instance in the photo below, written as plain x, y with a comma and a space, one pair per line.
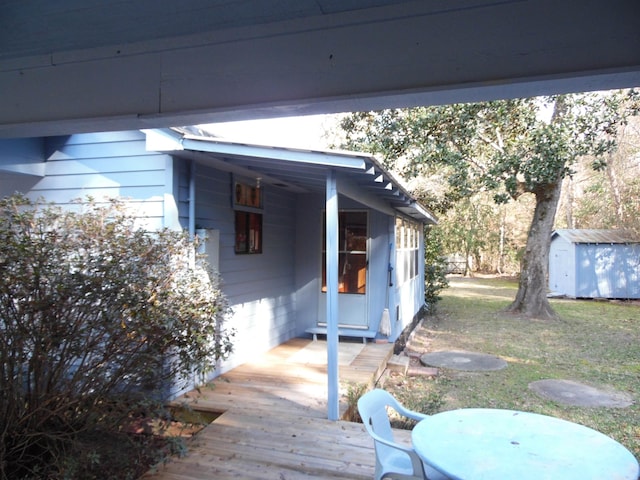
343, 332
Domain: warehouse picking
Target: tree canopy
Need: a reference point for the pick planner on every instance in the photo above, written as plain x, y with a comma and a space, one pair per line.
506, 147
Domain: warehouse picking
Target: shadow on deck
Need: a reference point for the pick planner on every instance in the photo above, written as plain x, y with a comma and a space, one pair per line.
274, 418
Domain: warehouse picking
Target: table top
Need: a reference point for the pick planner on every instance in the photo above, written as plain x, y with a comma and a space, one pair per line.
491, 444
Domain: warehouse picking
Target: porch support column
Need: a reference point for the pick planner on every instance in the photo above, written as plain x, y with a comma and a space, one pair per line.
192, 200
332, 295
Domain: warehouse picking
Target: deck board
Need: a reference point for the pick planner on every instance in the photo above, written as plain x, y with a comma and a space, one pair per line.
273, 422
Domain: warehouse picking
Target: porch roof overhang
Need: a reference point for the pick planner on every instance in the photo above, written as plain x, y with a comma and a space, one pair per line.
92, 65
360, 176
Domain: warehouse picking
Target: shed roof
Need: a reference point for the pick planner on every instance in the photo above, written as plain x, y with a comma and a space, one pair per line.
360, 175
596, 236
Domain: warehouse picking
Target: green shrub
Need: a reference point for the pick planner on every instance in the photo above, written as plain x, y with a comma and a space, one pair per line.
354, 392
435, 268
98, 320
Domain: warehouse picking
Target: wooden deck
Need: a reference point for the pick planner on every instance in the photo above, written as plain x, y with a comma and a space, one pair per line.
273, 423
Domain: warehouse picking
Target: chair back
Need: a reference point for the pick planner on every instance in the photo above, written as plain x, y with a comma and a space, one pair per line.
393, 460
372, 407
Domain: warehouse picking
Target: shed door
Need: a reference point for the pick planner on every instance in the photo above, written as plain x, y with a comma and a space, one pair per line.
560, 272
353, 269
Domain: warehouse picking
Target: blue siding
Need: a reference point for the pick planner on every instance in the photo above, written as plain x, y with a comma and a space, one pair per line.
107, 165
608, 271
21, 164
260, 287
22, 155
593, 270
308, 259
378, 286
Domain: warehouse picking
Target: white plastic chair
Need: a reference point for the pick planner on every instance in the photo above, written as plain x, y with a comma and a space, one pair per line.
393, 460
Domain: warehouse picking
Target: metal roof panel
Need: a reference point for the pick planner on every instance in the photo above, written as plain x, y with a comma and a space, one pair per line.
597, 236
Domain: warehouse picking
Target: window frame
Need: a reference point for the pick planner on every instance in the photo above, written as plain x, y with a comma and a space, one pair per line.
247, 201
248, 235
407, 249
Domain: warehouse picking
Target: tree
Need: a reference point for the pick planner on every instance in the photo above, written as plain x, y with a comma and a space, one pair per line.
465, 230
606, 198
580, 125
435, 267
506, 147
97, 320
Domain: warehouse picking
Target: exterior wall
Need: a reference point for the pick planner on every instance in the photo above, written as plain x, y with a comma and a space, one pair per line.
260, 287
308, 259
590, 270
562, 267
379, 259
106, 165
608, 271
404, 301
21, 164
101, 165
408, 295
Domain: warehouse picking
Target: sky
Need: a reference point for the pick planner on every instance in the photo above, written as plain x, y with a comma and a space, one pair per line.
305, 132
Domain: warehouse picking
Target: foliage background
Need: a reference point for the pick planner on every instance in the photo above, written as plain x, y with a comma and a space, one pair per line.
442, 153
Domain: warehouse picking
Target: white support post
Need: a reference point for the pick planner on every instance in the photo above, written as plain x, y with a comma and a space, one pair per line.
332, 296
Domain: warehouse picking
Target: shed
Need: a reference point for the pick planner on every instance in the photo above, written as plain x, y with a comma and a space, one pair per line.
594, 264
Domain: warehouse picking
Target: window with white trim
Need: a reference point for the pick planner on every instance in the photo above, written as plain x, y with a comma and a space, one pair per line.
407, 250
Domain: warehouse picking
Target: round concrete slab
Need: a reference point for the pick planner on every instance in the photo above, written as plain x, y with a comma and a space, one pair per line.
577, 394
460, 360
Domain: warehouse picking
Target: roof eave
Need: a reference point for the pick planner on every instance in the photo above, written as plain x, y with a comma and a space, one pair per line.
375, 177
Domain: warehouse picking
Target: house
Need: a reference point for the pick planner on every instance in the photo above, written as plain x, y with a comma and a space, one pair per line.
594, 264
264, 212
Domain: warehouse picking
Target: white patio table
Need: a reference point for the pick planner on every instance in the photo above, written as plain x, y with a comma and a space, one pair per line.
491, 444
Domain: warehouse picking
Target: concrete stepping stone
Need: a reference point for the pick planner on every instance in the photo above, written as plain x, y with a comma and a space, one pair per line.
577, 394
461, 360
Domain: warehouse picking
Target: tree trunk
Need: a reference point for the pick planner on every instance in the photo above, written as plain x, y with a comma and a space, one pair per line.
614, 184
531, 299
569, 206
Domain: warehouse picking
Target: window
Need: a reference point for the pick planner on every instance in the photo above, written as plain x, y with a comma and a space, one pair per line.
247, 204
407, 250
248, 232
246, 195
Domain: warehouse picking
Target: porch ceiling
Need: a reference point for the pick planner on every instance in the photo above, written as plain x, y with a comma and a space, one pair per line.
70, 66
360, 176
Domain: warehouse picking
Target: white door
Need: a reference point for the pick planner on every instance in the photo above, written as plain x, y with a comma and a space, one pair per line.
353, 263
559, 272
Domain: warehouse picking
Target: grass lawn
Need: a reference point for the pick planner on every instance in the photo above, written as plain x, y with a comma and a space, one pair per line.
594, 342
